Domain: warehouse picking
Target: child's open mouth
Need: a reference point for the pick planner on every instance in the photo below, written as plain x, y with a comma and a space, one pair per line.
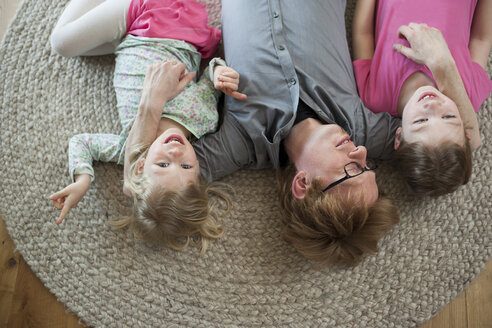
174, 138
427, 95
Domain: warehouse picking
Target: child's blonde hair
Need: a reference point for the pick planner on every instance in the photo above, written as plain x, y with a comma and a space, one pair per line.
172, 218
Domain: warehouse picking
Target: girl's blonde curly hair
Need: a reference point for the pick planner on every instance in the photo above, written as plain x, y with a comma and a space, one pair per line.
174, 218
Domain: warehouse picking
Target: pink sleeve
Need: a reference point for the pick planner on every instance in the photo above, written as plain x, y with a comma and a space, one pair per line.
480, 86
362, 68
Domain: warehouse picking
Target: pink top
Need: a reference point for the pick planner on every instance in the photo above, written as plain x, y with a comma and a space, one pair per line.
173, 19
380, 79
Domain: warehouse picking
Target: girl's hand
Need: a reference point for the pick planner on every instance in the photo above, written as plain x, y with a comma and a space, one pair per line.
68, 197
226, 80
427, 45
163, 81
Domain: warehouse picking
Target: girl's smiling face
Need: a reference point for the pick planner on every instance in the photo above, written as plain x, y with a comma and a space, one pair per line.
171, 161
431, 118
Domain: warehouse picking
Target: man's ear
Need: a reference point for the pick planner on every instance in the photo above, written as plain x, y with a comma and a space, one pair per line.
300, 185
397, 138
140, 166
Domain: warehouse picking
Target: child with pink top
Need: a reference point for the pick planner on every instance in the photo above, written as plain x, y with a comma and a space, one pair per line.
158, 45
424, 62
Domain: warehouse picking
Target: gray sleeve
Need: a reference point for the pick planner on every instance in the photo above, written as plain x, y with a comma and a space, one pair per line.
225, 151
377, 132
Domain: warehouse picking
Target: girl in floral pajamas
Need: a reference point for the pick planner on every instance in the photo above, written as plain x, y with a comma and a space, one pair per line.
158, 45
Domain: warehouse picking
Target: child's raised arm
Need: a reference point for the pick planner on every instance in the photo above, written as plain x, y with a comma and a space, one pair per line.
363, 30
481, 33
83, 149
163, 81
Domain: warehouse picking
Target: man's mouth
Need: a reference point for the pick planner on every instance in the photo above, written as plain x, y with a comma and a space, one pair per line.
344, 140
174, 138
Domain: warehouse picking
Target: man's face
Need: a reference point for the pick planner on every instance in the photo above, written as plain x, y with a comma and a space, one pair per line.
325, 155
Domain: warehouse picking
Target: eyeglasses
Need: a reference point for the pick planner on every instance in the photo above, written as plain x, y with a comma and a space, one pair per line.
352, 170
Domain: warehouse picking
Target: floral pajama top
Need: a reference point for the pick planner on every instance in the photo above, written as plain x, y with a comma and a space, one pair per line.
195, 108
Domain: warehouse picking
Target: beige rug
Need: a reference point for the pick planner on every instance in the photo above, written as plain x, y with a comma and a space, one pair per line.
249, 278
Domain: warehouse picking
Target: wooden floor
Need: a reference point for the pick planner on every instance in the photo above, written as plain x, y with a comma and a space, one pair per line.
25, 302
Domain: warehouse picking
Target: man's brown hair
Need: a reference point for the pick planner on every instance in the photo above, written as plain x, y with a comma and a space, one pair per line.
434, 171
332, 229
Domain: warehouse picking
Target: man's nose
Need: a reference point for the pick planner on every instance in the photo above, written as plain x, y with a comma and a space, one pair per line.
359, 154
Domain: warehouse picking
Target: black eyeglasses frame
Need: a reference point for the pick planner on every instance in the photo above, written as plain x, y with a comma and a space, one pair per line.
370, 166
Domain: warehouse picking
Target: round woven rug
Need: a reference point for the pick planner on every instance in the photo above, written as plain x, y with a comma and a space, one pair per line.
251, 277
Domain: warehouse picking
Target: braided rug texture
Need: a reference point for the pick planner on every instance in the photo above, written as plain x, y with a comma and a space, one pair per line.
251, 277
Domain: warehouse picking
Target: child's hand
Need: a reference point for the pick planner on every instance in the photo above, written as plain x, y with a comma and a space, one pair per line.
226, 80
163, 81
427, 45
68, 197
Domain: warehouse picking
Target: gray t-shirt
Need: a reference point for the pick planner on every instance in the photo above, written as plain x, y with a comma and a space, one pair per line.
285, 50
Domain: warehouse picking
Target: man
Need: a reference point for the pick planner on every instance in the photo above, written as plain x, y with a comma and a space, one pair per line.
302, 104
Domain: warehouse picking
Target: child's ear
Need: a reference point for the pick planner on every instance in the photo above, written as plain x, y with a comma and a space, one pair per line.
140, 166
300, 185
397, 138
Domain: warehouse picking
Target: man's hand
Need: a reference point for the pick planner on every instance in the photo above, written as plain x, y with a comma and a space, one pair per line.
163, 81
68, 197
226, 80
427, 45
